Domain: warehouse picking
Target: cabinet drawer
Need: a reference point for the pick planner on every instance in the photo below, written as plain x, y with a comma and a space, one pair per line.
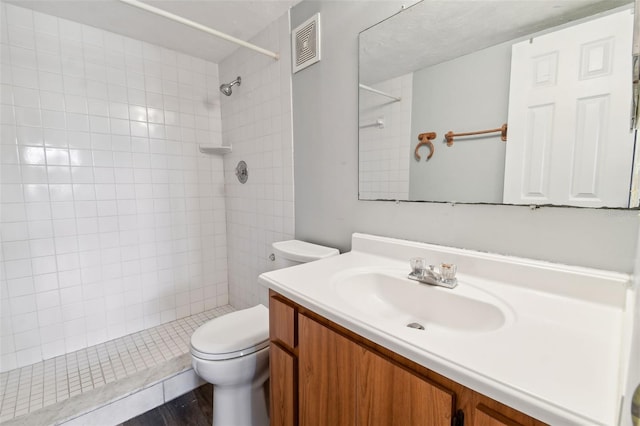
282, 318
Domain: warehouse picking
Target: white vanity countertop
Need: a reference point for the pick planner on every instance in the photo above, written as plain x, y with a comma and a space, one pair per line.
559, 357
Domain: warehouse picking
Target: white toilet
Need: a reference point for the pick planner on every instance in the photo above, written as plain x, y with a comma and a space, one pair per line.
232, 351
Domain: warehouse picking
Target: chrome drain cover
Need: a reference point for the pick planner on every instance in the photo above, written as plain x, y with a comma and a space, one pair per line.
416, 326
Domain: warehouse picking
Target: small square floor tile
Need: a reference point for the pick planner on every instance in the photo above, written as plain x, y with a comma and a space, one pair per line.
43, 384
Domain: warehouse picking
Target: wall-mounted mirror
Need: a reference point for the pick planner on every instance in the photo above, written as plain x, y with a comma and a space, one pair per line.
499, 102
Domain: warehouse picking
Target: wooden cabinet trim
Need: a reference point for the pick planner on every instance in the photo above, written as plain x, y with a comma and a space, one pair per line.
485, 416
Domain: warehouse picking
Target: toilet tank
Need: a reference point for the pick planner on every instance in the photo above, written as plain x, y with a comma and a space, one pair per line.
294, 252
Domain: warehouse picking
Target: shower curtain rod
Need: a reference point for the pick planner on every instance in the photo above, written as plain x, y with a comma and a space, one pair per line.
197, 26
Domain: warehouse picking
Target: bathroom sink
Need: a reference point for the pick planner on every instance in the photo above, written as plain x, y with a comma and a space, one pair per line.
389, 295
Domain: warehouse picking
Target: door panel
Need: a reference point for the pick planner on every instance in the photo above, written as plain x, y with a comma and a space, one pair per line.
569, 111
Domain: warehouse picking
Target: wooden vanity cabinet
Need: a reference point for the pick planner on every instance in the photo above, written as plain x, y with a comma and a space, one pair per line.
283, 363
324, 374
389, 394
343, 383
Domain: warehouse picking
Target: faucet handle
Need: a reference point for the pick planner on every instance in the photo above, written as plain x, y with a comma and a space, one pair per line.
417, 266
447, 271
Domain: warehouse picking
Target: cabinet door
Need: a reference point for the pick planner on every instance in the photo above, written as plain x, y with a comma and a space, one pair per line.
390, 395
283, 387
326, 375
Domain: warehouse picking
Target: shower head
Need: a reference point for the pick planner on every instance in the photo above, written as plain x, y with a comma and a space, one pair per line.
226, 88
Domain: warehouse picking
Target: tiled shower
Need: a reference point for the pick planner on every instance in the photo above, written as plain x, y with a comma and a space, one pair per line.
110, 215
256, 121
384, 163
112, 220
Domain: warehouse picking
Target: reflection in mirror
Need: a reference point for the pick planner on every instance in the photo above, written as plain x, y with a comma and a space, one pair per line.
555, 74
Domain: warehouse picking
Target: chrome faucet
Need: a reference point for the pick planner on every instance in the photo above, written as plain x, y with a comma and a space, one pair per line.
445, 277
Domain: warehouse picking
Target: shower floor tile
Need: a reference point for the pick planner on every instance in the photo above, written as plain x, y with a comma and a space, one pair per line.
30, 388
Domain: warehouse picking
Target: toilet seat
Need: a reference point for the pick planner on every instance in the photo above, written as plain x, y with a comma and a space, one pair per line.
229, 355
233, 335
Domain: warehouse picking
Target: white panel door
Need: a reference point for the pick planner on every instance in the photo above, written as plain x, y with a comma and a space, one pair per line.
569, 141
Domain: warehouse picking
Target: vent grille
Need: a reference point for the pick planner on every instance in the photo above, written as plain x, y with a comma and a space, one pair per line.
306, 43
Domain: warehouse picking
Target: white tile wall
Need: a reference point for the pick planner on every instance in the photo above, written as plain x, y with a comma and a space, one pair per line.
385, 153
112, 221
257, 123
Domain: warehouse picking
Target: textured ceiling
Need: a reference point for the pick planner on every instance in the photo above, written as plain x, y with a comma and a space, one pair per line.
434, 31
240, 18
444, 28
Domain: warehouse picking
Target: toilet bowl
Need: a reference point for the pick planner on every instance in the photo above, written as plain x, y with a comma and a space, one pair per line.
232, 351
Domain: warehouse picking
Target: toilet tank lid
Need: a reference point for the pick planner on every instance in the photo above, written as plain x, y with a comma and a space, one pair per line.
232, 332
301, 251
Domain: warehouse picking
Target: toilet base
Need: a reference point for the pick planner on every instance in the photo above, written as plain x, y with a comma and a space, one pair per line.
233, 406
240, 388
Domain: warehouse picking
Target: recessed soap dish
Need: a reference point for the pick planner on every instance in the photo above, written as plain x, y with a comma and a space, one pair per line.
215, 150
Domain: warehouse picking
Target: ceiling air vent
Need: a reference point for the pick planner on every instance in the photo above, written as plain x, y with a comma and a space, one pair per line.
305, 42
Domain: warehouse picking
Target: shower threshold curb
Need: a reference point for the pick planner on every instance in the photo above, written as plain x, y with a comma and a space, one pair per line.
115, 396
125, 397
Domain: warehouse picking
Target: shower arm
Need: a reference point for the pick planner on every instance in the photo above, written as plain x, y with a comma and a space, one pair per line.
197, 26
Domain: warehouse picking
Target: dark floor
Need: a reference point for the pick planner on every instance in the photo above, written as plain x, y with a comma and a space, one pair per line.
193, 409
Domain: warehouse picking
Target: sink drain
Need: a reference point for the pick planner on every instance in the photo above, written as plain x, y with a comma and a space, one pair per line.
415, 325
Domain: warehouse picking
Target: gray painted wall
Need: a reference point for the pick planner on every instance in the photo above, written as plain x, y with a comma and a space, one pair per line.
466, 94
327, 209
